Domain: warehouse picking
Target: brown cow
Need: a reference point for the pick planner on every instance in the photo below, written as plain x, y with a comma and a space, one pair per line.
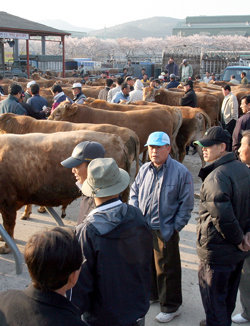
194, 124
30, 170
17, 124
143, 122
208, 102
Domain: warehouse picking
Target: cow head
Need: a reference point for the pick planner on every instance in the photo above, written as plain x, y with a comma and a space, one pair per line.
63, 111
149, 94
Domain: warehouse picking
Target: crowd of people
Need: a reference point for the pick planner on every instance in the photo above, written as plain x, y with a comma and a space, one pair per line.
124, 256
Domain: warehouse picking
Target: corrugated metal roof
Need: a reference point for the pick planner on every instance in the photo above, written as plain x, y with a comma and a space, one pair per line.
10, 22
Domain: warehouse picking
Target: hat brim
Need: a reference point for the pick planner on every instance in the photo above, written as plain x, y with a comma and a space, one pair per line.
156, 144
71, 162
206, 142
116, 189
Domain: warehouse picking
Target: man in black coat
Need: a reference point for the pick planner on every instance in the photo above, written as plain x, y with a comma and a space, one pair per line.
54, 260
223, 226
189, 98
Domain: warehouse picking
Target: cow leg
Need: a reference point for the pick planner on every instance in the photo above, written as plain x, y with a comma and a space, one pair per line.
27, 212
144, 156
41, 209
9, 221
63, 211
199, 150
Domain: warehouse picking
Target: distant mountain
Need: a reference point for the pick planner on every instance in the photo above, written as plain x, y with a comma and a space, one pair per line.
65, 26
138, 29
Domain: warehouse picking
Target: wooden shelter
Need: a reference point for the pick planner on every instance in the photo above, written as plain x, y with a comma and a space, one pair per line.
13, 28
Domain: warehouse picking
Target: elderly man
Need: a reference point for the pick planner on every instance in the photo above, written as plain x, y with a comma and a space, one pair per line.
123, 95
189, 98
79, 160
27, 93
244, 287
163, 190
54, 260
79, 97
114, 284
244, 80
229, 109
173, 82
223, 226
11, 104
186, 71
243, 123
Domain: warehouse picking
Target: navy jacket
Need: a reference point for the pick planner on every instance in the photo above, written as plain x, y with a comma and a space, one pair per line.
114, 284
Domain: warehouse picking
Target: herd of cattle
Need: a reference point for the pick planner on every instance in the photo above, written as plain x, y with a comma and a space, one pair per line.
31, 150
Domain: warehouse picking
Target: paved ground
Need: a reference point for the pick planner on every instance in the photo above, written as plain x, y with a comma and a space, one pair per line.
192, 310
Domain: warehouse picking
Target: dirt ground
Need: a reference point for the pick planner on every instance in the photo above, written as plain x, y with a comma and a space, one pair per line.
192, 310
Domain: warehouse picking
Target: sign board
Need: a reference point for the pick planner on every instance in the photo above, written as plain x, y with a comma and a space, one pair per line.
20, 36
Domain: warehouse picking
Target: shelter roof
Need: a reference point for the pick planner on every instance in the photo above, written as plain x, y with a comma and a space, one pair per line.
11, 23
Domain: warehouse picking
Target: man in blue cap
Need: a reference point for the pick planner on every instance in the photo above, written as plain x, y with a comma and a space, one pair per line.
163, 190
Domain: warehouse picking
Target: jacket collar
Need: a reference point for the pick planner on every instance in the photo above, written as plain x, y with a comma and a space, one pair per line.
51, 298
204, 172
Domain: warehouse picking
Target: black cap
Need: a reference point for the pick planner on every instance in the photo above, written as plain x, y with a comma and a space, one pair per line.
86, 151
190, 83
214, 135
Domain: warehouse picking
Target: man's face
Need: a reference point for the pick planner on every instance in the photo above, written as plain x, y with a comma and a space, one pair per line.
213, 152
225, 92
244, 151
75, 91
171, 60
158, 154
245, 107
80, 172
186, 88
126, 90
28, 90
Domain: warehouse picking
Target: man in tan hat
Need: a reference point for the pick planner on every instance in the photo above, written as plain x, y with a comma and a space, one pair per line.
114, 284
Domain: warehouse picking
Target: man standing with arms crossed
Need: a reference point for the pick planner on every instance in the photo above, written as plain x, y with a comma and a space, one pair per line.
244, 317
223, 226
163, 190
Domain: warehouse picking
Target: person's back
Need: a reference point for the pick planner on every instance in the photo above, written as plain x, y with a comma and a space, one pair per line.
114, 284
36, 102
121, 241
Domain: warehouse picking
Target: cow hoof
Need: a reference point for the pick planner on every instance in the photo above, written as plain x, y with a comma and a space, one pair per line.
41, 209
63, 215
4, 250
25, 217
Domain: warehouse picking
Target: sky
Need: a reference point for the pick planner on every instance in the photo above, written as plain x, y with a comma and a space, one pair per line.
97, 14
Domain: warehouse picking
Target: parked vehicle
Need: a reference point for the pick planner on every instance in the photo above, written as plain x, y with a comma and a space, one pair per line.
236, 71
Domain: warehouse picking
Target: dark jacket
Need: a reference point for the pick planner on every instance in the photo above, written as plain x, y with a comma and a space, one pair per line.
32, 307
11, 105
172, 68
114, 284
30, 112
189, 99
172, 84
243, 123
224, 211
37, 102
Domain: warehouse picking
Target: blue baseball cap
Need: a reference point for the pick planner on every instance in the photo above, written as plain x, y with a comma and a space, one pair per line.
158, 138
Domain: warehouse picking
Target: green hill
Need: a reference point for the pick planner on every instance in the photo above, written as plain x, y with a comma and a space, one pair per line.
139, 29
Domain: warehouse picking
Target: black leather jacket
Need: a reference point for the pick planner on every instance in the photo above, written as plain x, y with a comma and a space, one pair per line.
224, 215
